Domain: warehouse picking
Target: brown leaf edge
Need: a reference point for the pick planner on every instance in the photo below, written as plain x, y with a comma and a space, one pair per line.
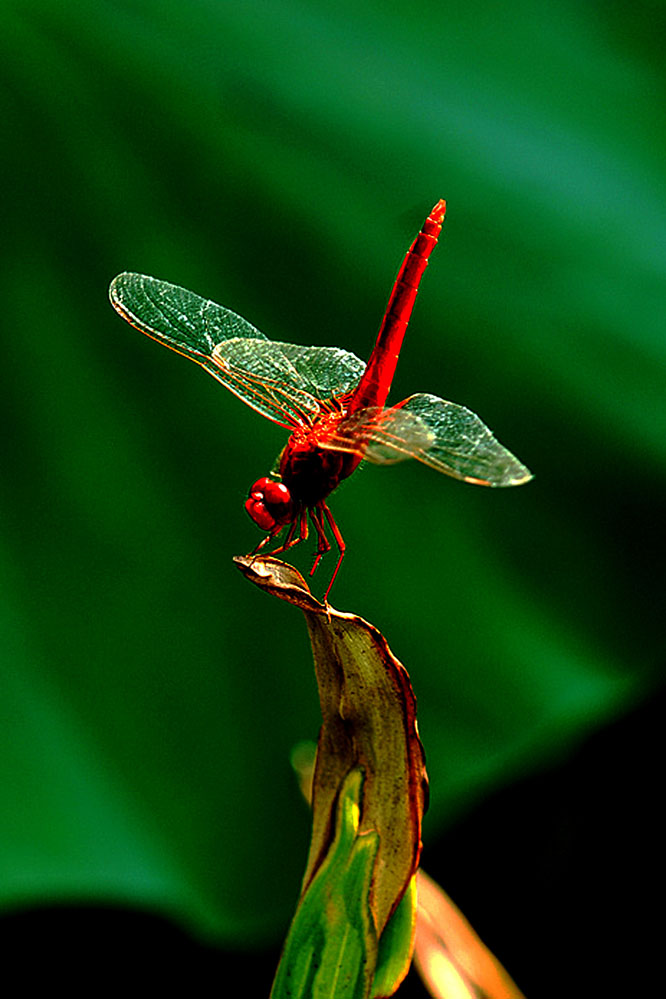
368, 720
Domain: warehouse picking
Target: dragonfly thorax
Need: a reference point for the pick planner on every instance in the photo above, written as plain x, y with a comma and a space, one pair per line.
311, 472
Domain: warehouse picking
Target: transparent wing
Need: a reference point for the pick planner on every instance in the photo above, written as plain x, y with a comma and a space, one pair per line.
448, 437
286, 378
177, 317
382, 436
284, 382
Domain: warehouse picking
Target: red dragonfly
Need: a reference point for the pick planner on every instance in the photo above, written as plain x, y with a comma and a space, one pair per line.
333, 403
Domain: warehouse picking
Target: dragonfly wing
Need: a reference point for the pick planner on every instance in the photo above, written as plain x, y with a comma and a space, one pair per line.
286, 377
330, 372
283, 382
444, 435
462, 445
323, 372
177, 317
382, 436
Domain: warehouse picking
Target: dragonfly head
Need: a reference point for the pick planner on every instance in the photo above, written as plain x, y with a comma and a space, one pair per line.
270, 504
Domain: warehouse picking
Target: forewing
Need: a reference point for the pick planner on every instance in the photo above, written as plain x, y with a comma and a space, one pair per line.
328, 371
284, 382
444, 435
285, 377
177, 317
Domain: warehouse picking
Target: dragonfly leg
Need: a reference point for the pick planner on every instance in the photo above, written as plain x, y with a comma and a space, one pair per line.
303, 532
264, 541
323, 544
339, 540
289, 540
301, 521
317, 515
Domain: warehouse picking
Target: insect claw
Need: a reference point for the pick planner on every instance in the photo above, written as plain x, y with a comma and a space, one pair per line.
255, 551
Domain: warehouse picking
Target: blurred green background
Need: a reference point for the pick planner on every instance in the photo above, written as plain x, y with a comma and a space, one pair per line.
279, 158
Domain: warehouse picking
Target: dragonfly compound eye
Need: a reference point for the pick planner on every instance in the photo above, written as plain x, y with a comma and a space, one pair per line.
270, 504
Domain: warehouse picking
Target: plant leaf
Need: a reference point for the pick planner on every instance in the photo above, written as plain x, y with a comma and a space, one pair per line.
368, 721
451, 958
331, 949
368, 726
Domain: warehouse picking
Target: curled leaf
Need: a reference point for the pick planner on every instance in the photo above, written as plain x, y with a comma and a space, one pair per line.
368, 723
